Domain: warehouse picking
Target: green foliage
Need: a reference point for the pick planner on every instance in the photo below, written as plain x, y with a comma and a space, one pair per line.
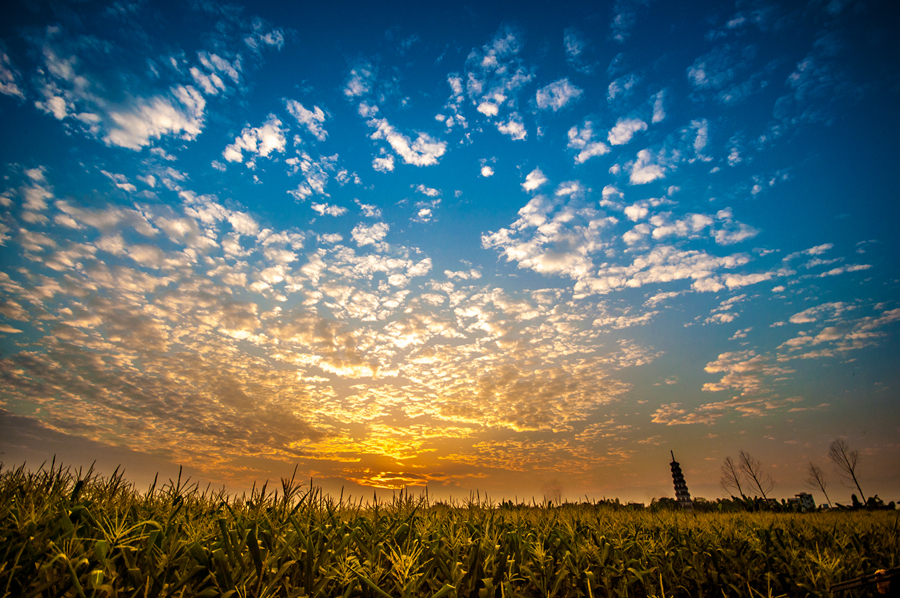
65, 533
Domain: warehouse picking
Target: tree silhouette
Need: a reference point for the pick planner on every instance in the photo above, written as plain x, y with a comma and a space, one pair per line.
731, 477
816, 480
845, 460
752, 468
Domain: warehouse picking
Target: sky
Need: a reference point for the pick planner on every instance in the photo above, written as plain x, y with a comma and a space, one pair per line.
523, 249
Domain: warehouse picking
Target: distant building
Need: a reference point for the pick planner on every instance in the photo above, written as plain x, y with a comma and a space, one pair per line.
681, 490
805, 501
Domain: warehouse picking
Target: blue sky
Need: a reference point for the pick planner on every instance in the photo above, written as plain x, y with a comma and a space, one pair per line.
515, 249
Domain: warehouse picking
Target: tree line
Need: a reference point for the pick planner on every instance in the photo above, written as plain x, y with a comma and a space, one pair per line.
746, 476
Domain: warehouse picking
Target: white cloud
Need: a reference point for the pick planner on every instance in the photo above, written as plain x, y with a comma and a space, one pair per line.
428, 191
262, 35
672, 415
369, 235
636, 212
311, 119
495, 72
583, 140
625, 129
513, 127
740, 232
573, 43
487, 171
259, 141
328, 210
702, 137
715, 70
489, 108
369, 211
845, 269
626, 16
315, 173
211, 83
736, 281
383, 163
215, 64
659, 110
646, 168
9, 76
660, 297
153, 118
424, 151
812, 251
534, 180
120, 181
833, 310
721, 318
732, 231
621, 87
132, 122
557, 95
359, 82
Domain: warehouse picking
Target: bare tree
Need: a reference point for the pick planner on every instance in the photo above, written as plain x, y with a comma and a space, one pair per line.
816, 480
752, 468
731, 477
845, 460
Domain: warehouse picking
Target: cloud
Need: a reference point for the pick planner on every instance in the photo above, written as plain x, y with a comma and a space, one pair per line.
487, 171
732, 232
513, 127
534, 180
72, 93
646, 168
427, 191
845, 269
583, 141
257, 141
740, 333
133, 127
621, 87
841, 336
262, 35
557, 95
424, 151
210, 81
815, 86
369, 211
714, 71
10, 78
359, 81
673, 415
327, 210
369, 235
659, 110
575, 46
564, 235
311, 119
495, 74
625, 16
120, 181
316, 174
383, 163
625, 129
834, 310
743, 370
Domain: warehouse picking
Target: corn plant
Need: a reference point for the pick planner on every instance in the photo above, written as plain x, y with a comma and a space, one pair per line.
78, 534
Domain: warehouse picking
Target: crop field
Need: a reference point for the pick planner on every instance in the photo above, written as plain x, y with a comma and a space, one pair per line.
63, 533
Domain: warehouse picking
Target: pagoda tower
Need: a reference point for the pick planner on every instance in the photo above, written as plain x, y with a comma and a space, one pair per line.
681, 490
